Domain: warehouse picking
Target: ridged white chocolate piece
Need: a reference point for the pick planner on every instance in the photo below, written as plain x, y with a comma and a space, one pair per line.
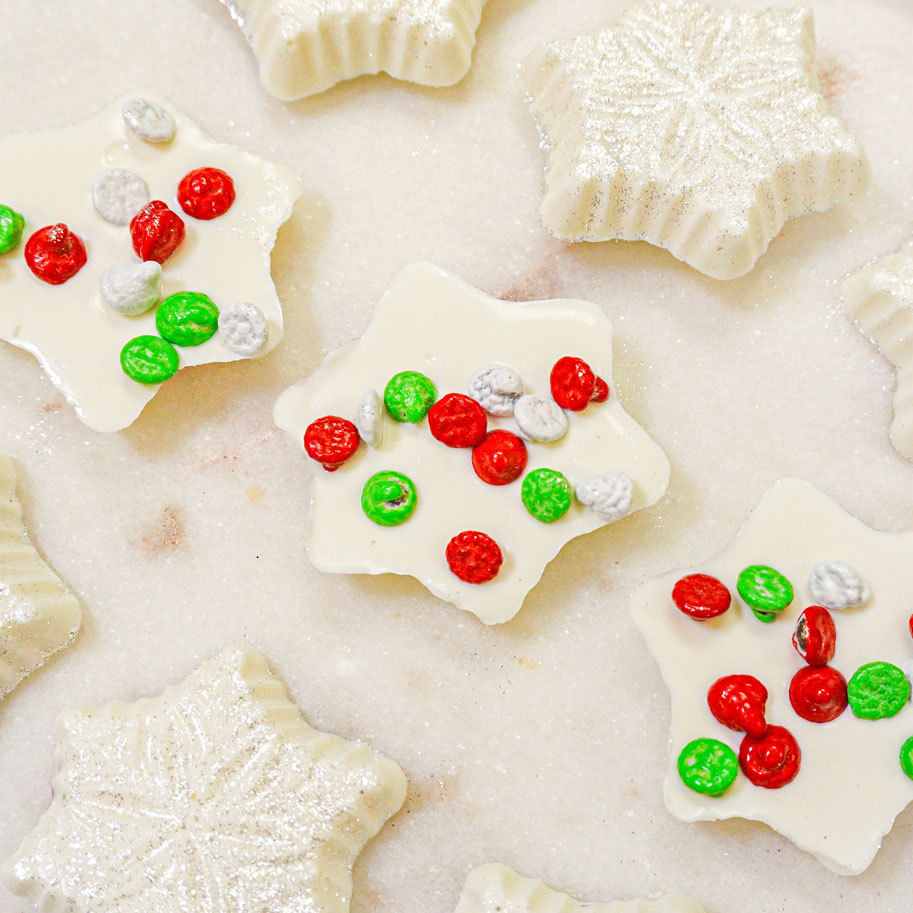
879, 300
307, 46
837, 586
495, 888
38, 614
75, 336
698, 129
850, 786
432, 322
216, 795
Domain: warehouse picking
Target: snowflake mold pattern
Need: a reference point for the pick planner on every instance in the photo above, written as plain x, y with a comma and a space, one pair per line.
698, 129
214, 795
850, 786
432, 322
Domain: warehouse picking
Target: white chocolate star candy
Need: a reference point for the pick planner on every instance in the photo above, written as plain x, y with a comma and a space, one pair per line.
698, 129
433, 323
215, 795
307, 46
74, 328
38, 614
879, 300
850, 785
495, 888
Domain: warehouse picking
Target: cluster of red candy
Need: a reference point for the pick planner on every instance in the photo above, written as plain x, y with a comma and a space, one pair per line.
55, 253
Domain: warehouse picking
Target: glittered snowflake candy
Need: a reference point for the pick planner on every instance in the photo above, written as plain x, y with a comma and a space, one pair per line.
788, 659
496, 888
38, 614
464, 440
216, 795
879, 300
114, 240
698, 129
306, 46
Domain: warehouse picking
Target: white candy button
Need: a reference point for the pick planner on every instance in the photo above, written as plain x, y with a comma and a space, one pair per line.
608, 495
131, 287
496, 389
369, 419
118, 195
540, 418
243, 329
148, 121
836, 585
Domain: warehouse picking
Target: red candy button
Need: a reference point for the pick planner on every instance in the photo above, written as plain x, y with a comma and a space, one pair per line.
573, 383
206, 193
457, 421
701, 596
815, 637
771, 761
600, 391
54, 254
331, 440
910, 625
818, 693
738, 701
156, 231
500, 458
474, 557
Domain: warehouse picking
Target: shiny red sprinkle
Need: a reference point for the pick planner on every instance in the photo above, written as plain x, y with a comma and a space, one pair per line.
206, 193
573, 383
54, 254
701, 596
771, 761
457, 421
156, 231
331, 440
818, 693
500, 458
910, 625
815, 637
600, 391
739, 701
474, 557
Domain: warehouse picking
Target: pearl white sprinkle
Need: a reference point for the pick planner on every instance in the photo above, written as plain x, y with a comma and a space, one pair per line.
496, 389
609, 495
835, 585
148, 121
540, 418
369, 419
132, 286
118, 195
243, 329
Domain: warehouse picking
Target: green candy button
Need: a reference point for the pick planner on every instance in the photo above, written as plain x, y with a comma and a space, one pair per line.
765, 591
187, 318
877, 691
906, 757
389, 498
149, 359
708, 766
11, 225
546, 494
409, 395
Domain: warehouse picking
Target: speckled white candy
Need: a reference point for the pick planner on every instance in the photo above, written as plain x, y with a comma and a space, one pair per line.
495, 888
306, 46
131, 287
432, 322
835, 585
369, 418
497, 389
540, 418
215, 793
609, 494
879, 300
243, 329
118, 194
150, 122
72, 332
38, 614
699, 129
850, 785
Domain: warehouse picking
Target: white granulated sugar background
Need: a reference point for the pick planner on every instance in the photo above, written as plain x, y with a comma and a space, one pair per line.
542, 743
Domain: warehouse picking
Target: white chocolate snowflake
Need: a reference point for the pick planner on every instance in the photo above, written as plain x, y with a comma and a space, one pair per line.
850, 785
879, 300
307, 46
38, 614
432, 322
697, 129
214, 796
48, 178
495, 888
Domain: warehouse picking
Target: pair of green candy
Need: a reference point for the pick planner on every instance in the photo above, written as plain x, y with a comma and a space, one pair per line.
11, 228
182, 319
